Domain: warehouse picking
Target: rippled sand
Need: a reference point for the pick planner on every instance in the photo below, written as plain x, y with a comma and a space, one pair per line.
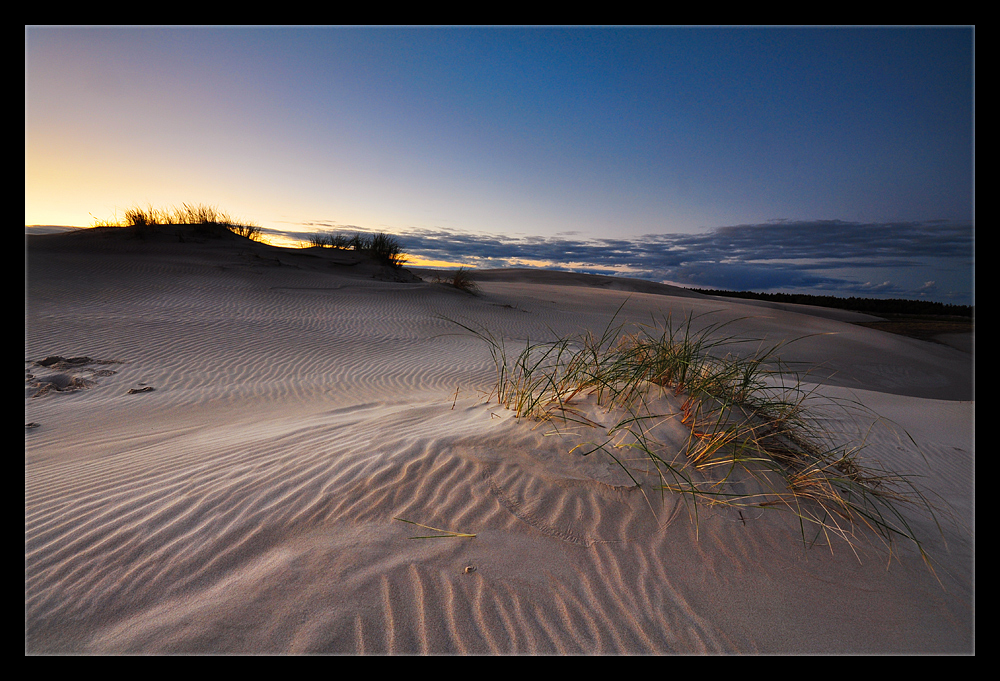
225, 473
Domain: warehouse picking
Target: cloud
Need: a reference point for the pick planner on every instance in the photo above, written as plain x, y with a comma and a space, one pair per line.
824, 256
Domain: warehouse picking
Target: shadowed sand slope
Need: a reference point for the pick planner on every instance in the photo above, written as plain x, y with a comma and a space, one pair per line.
224, 435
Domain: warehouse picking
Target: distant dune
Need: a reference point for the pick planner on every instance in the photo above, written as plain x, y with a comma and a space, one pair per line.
47, 229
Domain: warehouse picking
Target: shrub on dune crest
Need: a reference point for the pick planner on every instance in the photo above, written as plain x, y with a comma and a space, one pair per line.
752, 439
387, 249
383, 247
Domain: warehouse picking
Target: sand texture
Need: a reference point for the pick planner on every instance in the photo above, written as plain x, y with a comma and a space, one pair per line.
221, 436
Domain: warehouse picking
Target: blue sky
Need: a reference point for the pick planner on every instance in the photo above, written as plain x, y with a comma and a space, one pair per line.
825, 160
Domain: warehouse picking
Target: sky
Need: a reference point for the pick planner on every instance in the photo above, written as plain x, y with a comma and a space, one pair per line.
824, 160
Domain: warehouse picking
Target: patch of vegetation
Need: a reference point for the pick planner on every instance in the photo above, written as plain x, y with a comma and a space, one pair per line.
751, 440
199, 216
461, 279
383, 247
328, 240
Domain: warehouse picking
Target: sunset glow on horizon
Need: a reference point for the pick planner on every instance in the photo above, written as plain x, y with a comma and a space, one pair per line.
596, 149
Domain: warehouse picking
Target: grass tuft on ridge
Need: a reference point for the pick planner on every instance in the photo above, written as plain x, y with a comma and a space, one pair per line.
197, 215
383, 247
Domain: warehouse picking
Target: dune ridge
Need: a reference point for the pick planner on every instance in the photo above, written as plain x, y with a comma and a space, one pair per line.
301, 403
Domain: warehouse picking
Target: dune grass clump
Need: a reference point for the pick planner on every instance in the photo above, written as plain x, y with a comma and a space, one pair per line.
461, 279
752, 437
326, 240
200, 216
383, 247
387, 249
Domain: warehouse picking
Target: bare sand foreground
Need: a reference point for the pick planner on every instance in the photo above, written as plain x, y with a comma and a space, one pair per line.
216, 463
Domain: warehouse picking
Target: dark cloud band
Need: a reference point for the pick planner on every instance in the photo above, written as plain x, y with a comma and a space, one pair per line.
828, 256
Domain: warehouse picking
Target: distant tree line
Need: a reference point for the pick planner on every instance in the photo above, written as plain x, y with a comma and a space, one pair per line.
869, 305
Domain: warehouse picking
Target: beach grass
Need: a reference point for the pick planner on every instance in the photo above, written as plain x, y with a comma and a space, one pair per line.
330, 240
383, 247
199, 216
755, 435
462, 279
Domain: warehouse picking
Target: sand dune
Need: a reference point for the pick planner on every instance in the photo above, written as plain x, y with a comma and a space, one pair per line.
225, 472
